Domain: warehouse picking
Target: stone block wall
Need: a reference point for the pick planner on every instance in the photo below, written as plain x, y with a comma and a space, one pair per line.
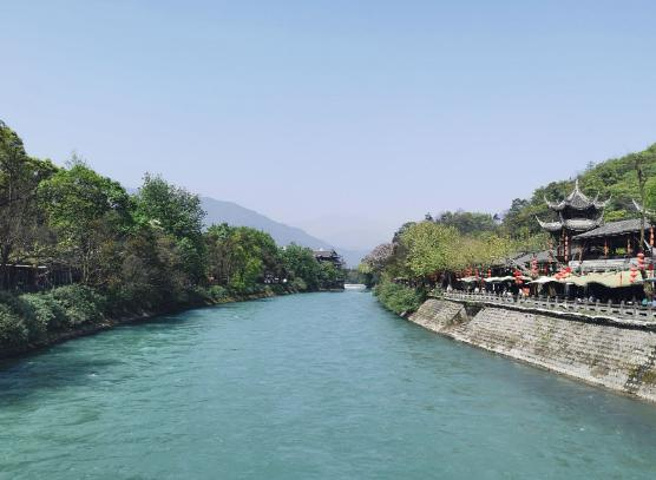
622, 359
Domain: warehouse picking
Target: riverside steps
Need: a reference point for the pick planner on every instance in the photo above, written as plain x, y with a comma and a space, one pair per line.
613, 346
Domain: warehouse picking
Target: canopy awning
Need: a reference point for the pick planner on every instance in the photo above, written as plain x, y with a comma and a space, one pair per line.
542, 280
469, 279
607, 279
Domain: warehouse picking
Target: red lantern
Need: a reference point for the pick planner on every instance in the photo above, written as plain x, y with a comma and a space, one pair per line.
633, 274
641, 261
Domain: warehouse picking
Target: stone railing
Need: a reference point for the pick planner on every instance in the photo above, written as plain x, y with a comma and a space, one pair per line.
620, 310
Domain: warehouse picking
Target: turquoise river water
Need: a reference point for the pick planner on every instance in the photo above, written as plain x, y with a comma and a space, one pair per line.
316, 386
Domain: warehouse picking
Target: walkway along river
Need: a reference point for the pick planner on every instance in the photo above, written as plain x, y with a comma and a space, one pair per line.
324, 385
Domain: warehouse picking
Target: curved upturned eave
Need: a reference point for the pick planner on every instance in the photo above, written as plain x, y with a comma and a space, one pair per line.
577, 200
583, 225
550, 226
555, 206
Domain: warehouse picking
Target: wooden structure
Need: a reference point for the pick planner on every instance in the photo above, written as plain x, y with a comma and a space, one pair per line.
330, 256
30, 278
576, 214
615, 243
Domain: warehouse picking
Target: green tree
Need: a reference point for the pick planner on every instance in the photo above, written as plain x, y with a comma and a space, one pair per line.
241, 257
299, 263
431, 248
468, 222
179, 214
86, 210
20, 219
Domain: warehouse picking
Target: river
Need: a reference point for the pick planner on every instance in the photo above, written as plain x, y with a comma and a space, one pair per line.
315, 386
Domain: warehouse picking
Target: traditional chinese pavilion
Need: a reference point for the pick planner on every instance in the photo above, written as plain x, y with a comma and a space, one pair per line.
576, 214
330, 256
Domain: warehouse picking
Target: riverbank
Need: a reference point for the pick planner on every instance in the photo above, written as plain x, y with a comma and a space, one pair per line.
90, 326
615, 356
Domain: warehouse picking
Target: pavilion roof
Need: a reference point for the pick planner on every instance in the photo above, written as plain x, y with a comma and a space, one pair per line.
578, 201
611, 229
576, 224
542, 256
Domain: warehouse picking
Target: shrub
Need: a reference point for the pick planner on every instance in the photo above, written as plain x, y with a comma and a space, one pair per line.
18, 308
298, 284
81, 304
48, 314
398, 298
218, 293
13, 330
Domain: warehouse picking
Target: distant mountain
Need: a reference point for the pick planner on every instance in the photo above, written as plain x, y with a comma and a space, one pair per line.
219, 211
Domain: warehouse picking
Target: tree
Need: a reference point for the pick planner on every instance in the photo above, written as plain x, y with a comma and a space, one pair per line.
179, 214
379, 257
20, 219
299, 264
468, 222
86, 210
639, 161
241, 257
431, 248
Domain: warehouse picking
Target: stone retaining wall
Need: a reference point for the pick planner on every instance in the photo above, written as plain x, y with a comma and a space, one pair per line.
619, 358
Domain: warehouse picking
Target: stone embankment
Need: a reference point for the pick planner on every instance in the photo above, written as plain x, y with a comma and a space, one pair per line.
617, 355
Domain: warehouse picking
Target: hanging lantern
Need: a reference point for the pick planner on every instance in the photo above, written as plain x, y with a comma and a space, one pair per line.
633, 274
566, 253
606, 250
641, 261
651, 237
628, 246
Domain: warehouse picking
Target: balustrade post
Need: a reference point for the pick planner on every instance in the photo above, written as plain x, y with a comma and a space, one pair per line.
622, 307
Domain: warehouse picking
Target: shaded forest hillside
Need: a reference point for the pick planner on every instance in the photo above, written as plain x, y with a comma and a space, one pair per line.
615, 178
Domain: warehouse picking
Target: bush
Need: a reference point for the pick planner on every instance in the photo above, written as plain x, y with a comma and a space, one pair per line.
18, 308
13, 330
398, 298
81, 304
48, 314
298, 284
218, 293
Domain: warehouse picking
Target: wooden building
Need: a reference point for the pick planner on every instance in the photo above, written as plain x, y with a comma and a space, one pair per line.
576, 214
330, 256
614, 246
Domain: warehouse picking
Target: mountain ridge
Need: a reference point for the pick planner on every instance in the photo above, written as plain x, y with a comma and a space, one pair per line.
224, 211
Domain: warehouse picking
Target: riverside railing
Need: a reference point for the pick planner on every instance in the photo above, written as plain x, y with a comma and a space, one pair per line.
628, 310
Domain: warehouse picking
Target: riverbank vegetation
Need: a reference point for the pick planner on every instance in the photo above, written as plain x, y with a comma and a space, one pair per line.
469, 243
76, 248
399, 298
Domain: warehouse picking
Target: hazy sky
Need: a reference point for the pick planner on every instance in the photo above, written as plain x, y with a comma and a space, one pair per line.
346, 117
